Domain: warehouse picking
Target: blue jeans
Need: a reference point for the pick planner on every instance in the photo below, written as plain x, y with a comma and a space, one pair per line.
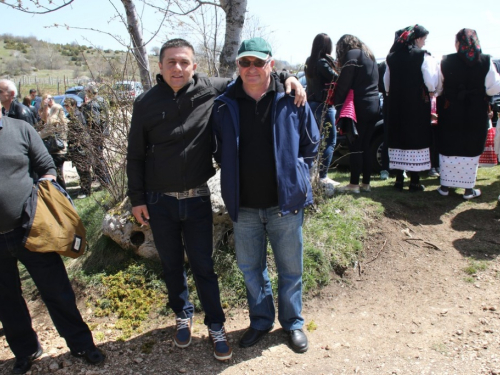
186, 224
285, 236
329, 134
50, 277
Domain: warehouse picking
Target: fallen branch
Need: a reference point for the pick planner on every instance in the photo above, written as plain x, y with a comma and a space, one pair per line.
376, 256
414, 244
426, 242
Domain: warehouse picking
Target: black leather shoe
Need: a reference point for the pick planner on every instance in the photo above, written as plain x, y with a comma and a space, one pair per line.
398, 185
298, 340
416, 187
252, 336
23, 364
92, 355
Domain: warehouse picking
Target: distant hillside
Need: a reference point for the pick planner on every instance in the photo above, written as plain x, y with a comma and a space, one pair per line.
21, 56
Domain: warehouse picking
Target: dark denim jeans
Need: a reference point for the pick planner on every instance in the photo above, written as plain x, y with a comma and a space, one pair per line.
331, 134
50, 277
186, 224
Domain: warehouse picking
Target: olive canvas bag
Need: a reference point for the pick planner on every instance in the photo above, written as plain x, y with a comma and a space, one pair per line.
51, 221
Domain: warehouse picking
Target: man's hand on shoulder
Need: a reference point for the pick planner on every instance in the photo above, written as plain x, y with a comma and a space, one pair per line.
141, 214
293, 83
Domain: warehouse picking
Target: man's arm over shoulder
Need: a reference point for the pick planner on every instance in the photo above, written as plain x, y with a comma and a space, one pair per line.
220, 84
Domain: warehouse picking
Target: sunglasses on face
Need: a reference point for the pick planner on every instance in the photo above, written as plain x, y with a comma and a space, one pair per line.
258, 63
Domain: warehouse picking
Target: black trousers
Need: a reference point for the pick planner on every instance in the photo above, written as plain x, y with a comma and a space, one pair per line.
359, 158
50, 277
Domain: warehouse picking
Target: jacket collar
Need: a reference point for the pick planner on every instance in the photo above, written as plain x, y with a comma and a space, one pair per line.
188, 87
235, 90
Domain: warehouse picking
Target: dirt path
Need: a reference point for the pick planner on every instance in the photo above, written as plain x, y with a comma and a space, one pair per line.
408, 308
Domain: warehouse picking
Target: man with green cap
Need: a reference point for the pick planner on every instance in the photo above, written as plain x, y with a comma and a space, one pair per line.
265, 146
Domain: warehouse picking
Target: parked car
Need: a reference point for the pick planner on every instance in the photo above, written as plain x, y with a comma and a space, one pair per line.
77, 90
340, 154
59, 99
128, 90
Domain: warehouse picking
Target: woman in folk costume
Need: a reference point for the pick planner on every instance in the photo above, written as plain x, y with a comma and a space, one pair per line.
410, 79
358, 75
466, 80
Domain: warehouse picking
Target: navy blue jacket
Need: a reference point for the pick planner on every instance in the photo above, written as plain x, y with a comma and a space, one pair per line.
296, 141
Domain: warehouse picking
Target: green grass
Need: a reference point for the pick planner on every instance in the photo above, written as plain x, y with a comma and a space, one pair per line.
469, 280
333, 235
475, 266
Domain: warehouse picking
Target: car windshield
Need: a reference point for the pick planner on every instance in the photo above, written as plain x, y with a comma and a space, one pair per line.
123, 87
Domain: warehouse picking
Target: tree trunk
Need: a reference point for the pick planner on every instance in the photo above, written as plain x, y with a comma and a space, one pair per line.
139, 49
235, 18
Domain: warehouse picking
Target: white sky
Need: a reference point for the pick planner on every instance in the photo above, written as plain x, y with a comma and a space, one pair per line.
294, 23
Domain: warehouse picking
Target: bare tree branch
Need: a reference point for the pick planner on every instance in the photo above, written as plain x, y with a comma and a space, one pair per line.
182, 12
67, 27
159, 27
19, 6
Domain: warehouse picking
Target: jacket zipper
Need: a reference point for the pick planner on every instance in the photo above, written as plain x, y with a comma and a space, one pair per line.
197, 96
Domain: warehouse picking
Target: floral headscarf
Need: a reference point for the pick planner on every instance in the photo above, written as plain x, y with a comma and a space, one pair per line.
406, 37
469, 48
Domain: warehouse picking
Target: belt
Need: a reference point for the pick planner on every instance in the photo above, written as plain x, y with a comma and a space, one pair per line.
200, 191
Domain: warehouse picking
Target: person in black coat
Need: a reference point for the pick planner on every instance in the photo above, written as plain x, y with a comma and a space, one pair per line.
358, 72
410, 79
467, 79
320, 76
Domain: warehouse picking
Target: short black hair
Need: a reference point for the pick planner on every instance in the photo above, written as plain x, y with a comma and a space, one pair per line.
175, 43
32, 91
70, 101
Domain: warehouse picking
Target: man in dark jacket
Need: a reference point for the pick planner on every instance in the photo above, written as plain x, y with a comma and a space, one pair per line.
11, 107
96, 115
169, 161
22, 153
79, 146
265, 146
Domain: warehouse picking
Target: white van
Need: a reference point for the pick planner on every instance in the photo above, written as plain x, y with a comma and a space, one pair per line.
128, 90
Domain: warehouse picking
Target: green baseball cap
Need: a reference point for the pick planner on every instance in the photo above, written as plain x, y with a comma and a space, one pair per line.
256, 47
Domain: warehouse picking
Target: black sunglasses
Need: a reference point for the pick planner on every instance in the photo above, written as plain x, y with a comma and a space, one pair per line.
257, 63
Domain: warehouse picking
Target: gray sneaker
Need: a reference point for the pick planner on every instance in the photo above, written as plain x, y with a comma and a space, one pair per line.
433, 172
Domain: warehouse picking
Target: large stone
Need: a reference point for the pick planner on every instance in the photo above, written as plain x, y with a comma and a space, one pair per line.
120, 225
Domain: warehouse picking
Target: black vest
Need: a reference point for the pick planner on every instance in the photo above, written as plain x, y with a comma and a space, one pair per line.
408, 103
463, 107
